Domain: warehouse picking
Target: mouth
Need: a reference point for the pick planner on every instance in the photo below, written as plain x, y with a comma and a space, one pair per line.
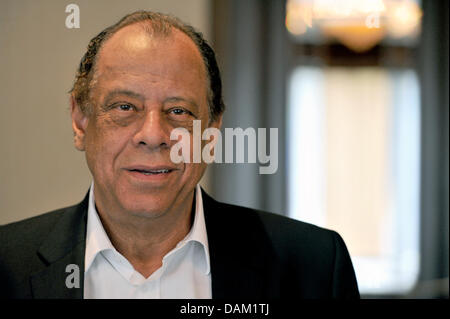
149, 172
154, 173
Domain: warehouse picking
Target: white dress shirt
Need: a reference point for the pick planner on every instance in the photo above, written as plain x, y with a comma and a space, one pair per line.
185, 270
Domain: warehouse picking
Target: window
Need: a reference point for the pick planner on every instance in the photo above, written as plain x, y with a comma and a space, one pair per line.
353, 157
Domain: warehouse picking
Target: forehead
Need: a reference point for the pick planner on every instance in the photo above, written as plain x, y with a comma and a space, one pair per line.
133, 49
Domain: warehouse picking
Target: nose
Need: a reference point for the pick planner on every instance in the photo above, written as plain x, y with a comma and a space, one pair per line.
154, 132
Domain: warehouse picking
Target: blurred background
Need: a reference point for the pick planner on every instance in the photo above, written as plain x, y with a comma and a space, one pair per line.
357, 89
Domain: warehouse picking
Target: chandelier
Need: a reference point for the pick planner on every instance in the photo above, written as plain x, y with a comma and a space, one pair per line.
357, 24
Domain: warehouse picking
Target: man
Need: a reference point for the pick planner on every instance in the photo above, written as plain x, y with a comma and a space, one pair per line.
146, 229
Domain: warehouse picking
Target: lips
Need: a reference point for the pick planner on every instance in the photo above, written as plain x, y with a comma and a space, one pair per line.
151, 172
147, 170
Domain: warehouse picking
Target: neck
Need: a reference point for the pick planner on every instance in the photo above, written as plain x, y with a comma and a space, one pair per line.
145, 241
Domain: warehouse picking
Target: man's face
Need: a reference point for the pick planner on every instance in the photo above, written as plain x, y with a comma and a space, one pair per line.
144, 87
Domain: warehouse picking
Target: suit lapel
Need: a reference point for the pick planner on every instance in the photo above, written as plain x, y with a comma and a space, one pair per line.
236, 269
65, 245
51, 282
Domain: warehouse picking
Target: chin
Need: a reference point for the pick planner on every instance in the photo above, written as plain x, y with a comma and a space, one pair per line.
147, 212
148, 207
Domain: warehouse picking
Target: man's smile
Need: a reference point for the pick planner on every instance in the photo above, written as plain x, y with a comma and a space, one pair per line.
150, 173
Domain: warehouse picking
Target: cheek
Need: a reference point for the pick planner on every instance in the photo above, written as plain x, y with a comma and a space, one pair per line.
193, 172
104, 142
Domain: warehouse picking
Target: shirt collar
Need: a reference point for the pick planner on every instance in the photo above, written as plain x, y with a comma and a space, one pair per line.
198, 229
97, 240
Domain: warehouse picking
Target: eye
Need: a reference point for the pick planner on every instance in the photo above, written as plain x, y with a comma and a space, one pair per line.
180, 111
125, 107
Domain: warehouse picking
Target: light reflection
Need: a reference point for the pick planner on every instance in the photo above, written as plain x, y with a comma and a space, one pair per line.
358, 24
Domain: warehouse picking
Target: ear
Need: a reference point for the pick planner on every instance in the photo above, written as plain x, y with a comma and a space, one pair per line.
79, 124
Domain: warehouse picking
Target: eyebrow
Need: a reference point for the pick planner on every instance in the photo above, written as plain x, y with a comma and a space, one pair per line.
181, 99
138, 96
116, 92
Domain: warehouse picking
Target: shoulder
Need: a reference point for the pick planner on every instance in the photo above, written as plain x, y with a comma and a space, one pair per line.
21, 240
285, 236
20, 243
309, 261
284, 233
30, 231
28, 246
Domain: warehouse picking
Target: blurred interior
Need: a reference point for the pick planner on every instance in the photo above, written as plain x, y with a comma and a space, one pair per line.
357, 89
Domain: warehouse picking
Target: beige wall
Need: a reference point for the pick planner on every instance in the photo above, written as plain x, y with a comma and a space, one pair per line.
39, 168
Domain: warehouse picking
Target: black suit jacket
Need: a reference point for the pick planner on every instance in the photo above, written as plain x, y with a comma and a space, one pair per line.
253, 254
